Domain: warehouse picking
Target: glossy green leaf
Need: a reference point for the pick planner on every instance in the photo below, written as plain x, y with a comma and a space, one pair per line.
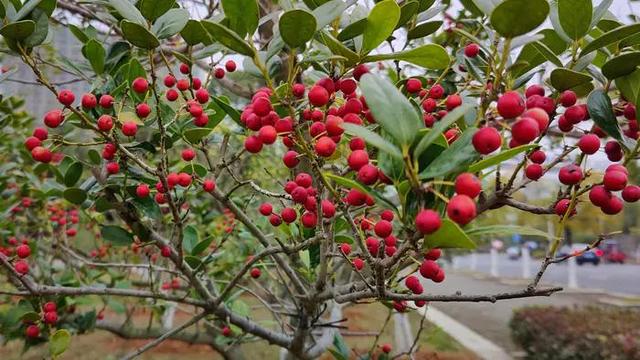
328, 12
26, 8
243, 15
95, 53
202, 246
41, 30
223, 103
391, 109
128, 10
506, 230
455, 158
430, 56
621, 65
547, 53
194, 135
601, 112
611, 37
517, 17
500, 157
73, 174
228, 38
297, 27
424, 29
194, 33
565, 79
75, 196
440, 127
352, 30
629, 85
138, 35
374, 139
425, 4
147, 207
116, 235
190, 238
449, 236
575, 17
3, 12
338, 48
486, 6
59, 342
407, 11
171, 23
381, 22
153, 9
19, 30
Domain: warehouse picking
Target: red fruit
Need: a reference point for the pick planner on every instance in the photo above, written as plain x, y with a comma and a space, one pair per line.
617, 167
358, 264
353, 106
165, 251
538, 156
325, 147
290, 159
89, 101
230, 66
143, 110
570, 174
436, 91
614, 180
183, 84
631, 193
288, 215
451, 135
105, 123
50, 317
525, 130
413, 283
173, 179
348, 86
188, 154
40, 133
433, 254
255, 273
298, 90
345, 248
129, 128
429, 105
32, 331
438, 277
66, 97
429, 269
359, 71
564, 124
333, 125
568, 98
357, 144
21, 267
540, 116
53, 118
510, 105
533, 171
299, 195
368, 174
428, 221
461, 209
383, 228
106, 101
195, 110
49, 307
41, 154
253, 144
275, 220
32, 142
266, 209
262, 106
413, 86
201, 120
453, 101
218, 73
613, 150
471, 50
140, 85
160, 198
575, 114
400, 306
486, 140
226, 331
169, 81
630, 112
23, 251
534, 90
142, 191
113, 168
613, 206
387, 215
184, 179
172, 95
355, 198
309, 219
303, 179
185, 68
208, 185
562, 207
468, 184
318, 96
599, 196
202, 96
589, 144
328, 209
268, 134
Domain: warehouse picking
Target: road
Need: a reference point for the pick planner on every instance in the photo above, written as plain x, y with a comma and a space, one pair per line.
610, 277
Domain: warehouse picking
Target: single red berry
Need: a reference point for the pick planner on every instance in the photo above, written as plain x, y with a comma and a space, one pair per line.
428, 221
49, 307
468, 184
169, 81
534, 171
32, 142
142, 191
253, 144
383, 228
429, 269
630, 112
113, 168
218, 73
208, 185
486, 140
570, 174
23, 251
255, 273
32, 331
562, 207
129, 128
368, 174
510, 105
66, 97
89, 101
188, 154
268, 134
613, 150
318, 96
53, 118
105, 123
534, 89
165, 251
540, 116
202, 95
461, 209
230, 66
453, 101
183, 84
143, 110
599, 196
613, 206
140, 85
298, 90
290, 159
309, 219
21, 267
325, 147
184, 179
589, 144
40, 133
568, 98
614, 180
433, 254
275, 220
538, 157
358, 264
266, 209
41, 154
345, 248
471, 50
436, 91
50, 317
525, 130
288, 215
631, 193
172, 95
106, 101
185, 69
413, 85
328, 209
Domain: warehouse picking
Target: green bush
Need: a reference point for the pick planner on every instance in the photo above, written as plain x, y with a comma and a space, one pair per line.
577, 333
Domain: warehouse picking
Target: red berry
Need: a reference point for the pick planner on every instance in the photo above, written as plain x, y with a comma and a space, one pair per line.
50, 317
298, 90
201, 120
599, 196
172, 95
89, 101
288, 215
140, 85
129, 128
303, 179
23, 251
453, 101
562, 207
41, 133
568, 98
433, 254
383, 228
230, 66
328, 209
169, 81
218, 73
413, 85
208, 185
255, 273
468, 184
348, 86
436, 91
53, 118
32, 331
325, 147
613, 206
106, 101
202, 95
266, 209
188, 154
105, 123
275, 220
142, 191
368, 174
575, 114
461, 209
510, 105
184, 179
21, 267
226, 331
268, 134
428, 222
429, 269
143, 110
525, 130
32, 142
41, 154
183, 84
534, 90
429, 105
165, 251
631, 193
630, 112
253, 144
66, 97
613, 150
113, 168
185, 68
540, 116
614, 180
471, 50
538, 156
589, 144
486, 140
345, 248
290, 159
309, 219
570, 174
318, 96
533, 171
358, 264
49, 307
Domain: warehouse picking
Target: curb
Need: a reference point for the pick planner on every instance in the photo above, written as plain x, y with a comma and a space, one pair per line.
481, 346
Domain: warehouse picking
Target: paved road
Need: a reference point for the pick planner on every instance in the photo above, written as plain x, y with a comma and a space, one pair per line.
610, 277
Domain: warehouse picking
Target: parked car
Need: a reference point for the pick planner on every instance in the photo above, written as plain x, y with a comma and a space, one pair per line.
592, 256
513, 252
612, 252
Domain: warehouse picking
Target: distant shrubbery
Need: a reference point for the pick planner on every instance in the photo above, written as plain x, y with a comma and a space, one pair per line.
577, 333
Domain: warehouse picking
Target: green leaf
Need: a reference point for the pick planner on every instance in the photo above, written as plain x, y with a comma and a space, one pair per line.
194, 135
430, 56
424, 29
449, 236
381, 22
59, 342
3, 12
223, 103
500, 157
148, 207
228, 38
517, 17
440, 127
546, 53
19, 30
127, 10
116, 235
502, 230
611, 37
297, 27
73, 174
193, 261
41, 31
338, 48
191, 238
487, 6
202, 246
75, 195
621, 65
194, 33
565, 79
455, 158
138, 35
373, 139
26, 9
153, 9
601, 112
95, 53
391, 109
407, 11
575, 17
135, 70
629, 85
243, 15
171, 23
352, 30
328, 12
